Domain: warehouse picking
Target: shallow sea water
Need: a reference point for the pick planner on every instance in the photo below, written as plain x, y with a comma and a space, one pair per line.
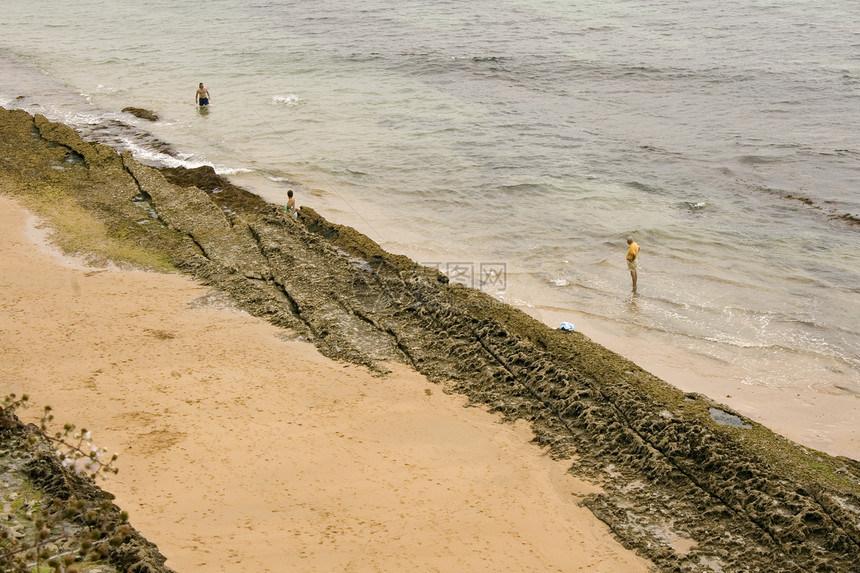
523, 141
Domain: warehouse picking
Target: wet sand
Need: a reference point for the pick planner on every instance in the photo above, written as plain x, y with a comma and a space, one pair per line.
244, 450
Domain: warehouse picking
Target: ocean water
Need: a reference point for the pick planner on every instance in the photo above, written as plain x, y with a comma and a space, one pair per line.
515, 144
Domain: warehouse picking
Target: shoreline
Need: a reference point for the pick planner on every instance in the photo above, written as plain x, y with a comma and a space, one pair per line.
826, 418
820, 413
672, 465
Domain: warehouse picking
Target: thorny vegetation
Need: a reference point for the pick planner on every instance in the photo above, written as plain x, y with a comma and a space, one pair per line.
43, 532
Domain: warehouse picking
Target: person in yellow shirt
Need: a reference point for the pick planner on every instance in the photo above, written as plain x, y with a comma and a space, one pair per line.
632, 260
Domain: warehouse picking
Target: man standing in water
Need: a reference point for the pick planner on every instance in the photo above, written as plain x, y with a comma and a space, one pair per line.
202, 96
632, 260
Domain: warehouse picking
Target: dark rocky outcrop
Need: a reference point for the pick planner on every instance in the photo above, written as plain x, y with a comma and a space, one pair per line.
685, 490
141, 113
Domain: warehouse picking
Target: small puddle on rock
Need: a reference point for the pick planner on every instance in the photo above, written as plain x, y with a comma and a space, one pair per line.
726, 419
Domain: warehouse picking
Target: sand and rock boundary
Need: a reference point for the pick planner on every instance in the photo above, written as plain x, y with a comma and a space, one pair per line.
687, 491
33, 476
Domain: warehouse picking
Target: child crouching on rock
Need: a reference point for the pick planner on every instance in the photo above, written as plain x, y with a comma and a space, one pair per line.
290, 207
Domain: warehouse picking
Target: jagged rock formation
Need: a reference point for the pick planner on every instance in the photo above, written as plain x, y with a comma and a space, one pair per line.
688, 491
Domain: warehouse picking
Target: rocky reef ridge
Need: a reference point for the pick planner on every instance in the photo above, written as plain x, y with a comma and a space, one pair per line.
688, 487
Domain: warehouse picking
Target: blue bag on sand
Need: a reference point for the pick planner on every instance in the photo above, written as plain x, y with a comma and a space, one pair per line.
566, 326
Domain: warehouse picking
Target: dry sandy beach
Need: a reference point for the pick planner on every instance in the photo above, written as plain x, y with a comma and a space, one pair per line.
242, 450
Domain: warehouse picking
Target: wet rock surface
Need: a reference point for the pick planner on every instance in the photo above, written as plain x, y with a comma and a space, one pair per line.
141, 113
685, 490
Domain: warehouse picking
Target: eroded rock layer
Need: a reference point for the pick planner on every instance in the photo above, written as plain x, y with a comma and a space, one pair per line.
687, 491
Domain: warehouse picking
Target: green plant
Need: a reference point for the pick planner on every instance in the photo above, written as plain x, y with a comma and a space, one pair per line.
56, 532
